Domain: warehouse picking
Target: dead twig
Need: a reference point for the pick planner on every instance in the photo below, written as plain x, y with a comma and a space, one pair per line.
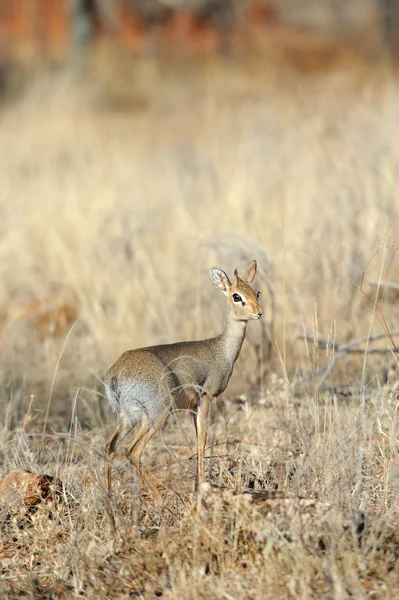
342, 350
326, 343
390, 285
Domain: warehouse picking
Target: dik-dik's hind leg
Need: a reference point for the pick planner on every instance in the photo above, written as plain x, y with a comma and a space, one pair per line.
194, 415
109, 455
202, 432
135, 450
121, 430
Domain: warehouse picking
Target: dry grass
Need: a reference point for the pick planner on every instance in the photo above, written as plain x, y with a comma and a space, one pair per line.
116, 196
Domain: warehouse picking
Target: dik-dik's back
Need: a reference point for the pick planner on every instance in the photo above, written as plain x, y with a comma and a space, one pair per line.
146, 384
157, 378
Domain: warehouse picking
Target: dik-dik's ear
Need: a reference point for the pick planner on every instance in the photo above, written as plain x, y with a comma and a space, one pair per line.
251, 272
220, 280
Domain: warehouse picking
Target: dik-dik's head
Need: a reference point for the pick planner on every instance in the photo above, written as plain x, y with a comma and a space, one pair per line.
242, 297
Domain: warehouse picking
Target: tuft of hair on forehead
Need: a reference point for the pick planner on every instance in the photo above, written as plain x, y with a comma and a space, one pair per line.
244, 286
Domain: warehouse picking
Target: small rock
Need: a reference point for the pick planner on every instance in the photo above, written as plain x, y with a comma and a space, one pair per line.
26, 488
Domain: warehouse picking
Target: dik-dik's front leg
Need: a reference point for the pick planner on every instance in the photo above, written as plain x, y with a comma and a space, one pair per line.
202, 431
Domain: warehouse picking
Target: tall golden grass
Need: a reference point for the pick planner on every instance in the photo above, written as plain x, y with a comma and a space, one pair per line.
120, 193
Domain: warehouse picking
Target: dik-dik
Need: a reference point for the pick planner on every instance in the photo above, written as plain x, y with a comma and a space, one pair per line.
145, 385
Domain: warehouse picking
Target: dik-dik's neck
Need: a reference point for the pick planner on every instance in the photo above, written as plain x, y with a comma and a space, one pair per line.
233, 336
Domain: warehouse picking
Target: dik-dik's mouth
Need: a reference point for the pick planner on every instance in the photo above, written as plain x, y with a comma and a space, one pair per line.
256, 317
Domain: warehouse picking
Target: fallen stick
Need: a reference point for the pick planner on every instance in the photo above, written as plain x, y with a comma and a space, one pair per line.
325, 343
391, 285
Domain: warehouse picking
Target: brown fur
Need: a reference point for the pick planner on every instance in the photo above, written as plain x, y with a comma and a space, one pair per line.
145, 385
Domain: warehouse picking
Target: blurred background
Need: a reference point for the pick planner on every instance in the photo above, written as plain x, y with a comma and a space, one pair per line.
144, 141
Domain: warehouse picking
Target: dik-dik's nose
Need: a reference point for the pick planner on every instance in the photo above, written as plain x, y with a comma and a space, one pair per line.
260, 314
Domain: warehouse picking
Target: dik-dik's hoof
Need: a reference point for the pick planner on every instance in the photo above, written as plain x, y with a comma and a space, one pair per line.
204, 488
202, 491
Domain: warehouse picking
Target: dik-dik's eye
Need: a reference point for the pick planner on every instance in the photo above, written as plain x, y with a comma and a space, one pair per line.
236, 298
257, 295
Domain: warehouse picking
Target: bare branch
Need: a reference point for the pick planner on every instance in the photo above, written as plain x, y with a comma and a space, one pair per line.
325, 343
391, 285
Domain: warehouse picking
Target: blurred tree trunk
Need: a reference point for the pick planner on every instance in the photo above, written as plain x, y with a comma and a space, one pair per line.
83, 15
390, 16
